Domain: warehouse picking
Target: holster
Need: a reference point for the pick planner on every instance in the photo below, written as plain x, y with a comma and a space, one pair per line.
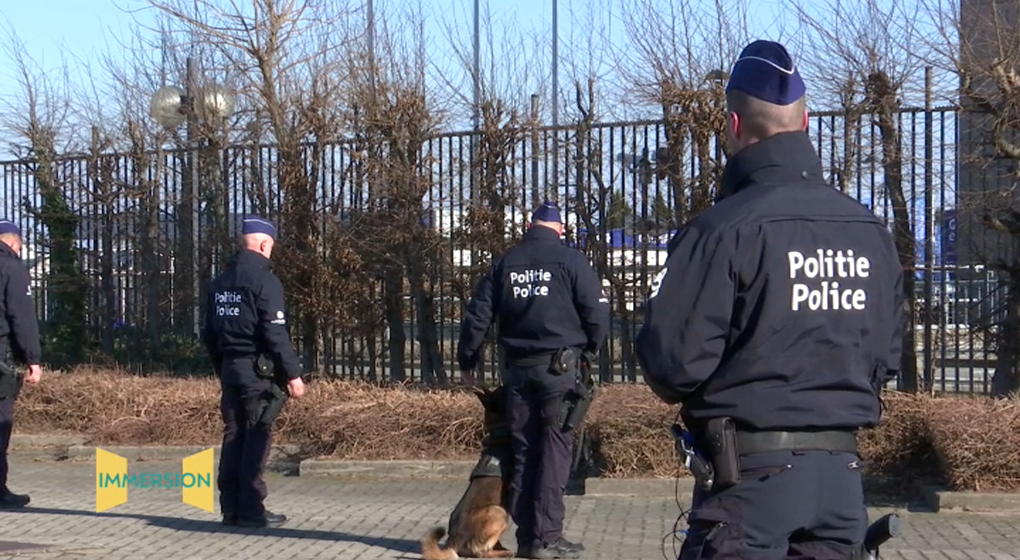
701, 468
565, 361
721, 440
10, 382
264, 410
579, 399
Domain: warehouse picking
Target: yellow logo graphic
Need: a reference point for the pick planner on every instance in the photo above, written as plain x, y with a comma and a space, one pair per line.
195, 480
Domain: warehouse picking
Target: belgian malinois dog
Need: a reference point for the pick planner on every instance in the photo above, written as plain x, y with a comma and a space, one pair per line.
478, 521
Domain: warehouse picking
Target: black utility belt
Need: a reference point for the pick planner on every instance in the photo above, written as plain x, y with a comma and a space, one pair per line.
748, 443
725, 444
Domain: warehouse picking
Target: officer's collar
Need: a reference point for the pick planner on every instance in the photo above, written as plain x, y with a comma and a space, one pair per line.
541, 233
6, 249
252, 258
787, 157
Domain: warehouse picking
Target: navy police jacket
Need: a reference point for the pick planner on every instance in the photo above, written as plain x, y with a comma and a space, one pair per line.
19, 326
246, 319
545, 295
781, 305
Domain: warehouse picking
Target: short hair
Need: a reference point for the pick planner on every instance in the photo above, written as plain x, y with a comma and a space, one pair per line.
762, 119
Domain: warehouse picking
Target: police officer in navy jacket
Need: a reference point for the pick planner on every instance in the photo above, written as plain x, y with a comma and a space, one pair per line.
19, 336
544, 297
246, 320
779, 308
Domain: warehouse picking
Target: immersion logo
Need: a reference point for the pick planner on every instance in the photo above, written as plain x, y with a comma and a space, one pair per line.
195, 480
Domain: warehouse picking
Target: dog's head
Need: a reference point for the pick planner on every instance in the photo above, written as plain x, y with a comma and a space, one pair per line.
494, 404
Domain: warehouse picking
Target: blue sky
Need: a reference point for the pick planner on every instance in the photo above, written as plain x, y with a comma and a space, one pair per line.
83, 30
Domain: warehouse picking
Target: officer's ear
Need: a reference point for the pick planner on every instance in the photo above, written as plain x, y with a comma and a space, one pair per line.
733, 124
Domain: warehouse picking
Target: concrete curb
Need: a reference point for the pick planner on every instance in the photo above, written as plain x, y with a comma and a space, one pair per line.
35, 441
279, 453
385, 469
940, 499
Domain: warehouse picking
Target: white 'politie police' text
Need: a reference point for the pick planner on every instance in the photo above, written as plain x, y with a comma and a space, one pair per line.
530, 283
821, 273
228, 304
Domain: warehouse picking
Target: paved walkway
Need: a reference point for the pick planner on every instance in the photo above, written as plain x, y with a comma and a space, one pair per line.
337, 519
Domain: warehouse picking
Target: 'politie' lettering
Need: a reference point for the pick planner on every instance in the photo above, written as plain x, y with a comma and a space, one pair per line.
228, 304
530, 283
821, 273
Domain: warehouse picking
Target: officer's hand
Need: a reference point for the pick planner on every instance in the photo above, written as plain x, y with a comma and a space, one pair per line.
296, 388
34, 374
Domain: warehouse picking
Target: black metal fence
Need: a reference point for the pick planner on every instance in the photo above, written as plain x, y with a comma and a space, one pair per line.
621, 184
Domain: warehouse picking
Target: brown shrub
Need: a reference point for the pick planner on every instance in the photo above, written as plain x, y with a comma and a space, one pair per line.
356, 421
344, 420
898, 446
977, 441
629, 427
113, 407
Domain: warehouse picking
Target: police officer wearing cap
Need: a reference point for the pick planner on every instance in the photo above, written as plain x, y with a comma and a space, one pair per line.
246, 320
774, 323
19, 335
547, 302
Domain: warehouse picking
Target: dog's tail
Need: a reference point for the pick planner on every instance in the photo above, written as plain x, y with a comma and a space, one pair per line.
430, 549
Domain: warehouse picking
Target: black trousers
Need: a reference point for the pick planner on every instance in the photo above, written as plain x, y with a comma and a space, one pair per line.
244, 453
6, 425
802, 505
542, 451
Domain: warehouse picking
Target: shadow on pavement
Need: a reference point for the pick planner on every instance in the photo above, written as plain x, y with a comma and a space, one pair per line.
206, 526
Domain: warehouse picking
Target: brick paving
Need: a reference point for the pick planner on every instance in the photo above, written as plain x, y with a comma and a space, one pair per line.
341, 519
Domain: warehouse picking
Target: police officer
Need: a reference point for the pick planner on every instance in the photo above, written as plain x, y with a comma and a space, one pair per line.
19, 333
246, 320
779, 308
547, 302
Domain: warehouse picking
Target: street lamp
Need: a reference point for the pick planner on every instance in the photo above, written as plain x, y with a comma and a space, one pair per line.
171, 106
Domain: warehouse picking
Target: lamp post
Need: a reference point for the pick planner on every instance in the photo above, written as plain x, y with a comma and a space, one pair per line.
171, 106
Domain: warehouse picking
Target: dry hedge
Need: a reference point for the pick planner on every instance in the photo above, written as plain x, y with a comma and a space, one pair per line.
968, 443
977, 442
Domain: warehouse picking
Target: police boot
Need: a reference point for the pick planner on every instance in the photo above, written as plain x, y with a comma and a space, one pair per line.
561, 549
9, 500
268, 520
567, 545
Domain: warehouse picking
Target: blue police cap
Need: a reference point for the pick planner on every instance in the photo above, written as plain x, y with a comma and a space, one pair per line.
547, 212
255, 224
7, 227
765, 70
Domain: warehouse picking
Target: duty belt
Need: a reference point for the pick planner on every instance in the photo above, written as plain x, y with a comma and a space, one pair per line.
764, 442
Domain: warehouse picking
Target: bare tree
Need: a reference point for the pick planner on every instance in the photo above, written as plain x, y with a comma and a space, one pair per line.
285, 57
979, 41
38, 122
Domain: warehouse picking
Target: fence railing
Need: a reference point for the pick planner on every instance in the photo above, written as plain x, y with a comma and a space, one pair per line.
625, 188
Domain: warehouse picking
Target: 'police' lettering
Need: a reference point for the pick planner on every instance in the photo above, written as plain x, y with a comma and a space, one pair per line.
228, 304
530, 283
825, 266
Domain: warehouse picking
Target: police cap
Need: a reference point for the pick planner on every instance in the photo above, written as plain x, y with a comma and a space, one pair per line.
547, 212
766, 71
255, 224
8, 227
